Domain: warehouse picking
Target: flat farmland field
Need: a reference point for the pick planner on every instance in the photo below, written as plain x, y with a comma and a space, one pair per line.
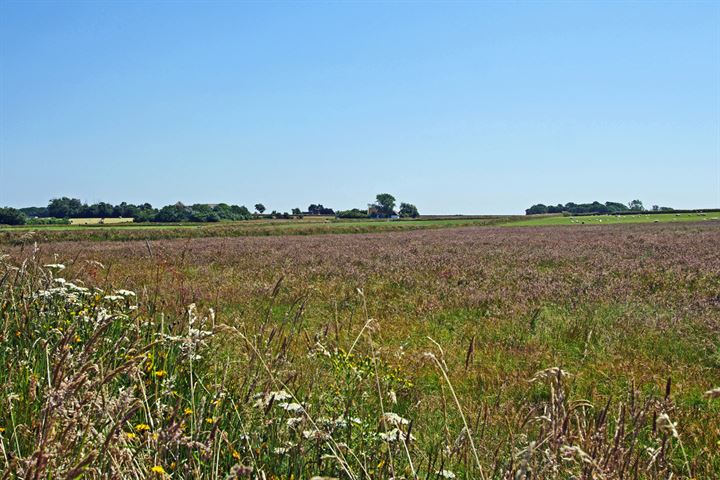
260, 227
618, 219
474, 352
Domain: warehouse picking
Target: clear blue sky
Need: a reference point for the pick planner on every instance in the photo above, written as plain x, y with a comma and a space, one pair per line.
466, 107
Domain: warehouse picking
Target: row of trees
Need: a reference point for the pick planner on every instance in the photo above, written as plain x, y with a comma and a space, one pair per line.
312, 210
593, 208
65, 208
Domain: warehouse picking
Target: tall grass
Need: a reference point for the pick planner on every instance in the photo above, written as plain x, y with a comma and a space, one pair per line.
95, 384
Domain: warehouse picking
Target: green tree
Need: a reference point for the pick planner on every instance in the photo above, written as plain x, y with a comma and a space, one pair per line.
260, 208
173, 213
35, 212
408, 210
241, 212
537, 209
12, 216
386, 202
636, 206
65, 207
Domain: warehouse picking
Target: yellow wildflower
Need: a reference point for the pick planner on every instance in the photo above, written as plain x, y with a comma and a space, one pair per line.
210, 420
235, 454
158, 469
130, 435
188, 411
160, 373
142, 427
2, 429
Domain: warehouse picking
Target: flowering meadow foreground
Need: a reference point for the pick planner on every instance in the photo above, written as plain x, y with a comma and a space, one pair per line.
479, 353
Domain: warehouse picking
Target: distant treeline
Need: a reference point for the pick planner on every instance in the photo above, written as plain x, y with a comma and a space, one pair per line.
66, 208
61, 210
634, 206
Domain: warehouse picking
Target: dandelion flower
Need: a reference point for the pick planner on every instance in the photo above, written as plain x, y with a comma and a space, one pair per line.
188, 411
142, 427
158, 469
131, 435
160, 373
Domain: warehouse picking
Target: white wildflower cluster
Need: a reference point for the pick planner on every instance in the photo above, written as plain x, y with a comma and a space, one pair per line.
263, 399
395, 435
55, 267
319, 350
119, 296
395, 419
291, 407
330, 424
315, 434
293, 422
283, 450
396, 432
342, 421
65, 291
445, 474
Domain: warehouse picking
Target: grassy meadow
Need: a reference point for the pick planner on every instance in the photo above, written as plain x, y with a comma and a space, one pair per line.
487, 351
260, 227
546, 220
121, 230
